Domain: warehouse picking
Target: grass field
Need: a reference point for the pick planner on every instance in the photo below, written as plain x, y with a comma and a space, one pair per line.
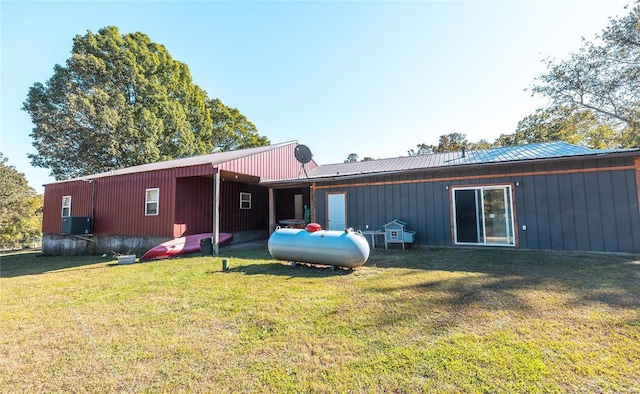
423, 320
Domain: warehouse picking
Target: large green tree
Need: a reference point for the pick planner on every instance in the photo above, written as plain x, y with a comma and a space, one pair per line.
569, 124
602, 77
122, 100
231, 129
20, 207
452, 142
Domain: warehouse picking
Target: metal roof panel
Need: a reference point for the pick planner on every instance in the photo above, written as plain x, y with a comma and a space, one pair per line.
213, 159
543, 150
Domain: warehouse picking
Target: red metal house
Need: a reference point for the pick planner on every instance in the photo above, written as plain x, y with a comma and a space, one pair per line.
132, 209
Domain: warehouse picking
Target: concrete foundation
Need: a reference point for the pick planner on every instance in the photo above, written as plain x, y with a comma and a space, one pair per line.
246, 236
61, 244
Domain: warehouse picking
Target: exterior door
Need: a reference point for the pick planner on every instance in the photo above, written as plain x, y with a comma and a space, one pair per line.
468, 227
497, 214
297, 205
483, 216
336, 211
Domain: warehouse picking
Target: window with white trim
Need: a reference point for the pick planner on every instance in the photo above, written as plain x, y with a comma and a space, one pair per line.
245, 200
66, 206
151, 202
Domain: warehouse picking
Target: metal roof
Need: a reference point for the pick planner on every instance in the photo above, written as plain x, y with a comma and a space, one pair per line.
544, 150
213, 159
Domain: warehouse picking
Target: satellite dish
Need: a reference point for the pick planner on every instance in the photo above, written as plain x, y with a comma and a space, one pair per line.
303, 154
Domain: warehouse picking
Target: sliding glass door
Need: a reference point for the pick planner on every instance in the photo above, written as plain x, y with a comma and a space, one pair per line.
483, 215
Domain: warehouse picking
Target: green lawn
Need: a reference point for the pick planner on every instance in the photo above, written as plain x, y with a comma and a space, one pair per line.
439, 320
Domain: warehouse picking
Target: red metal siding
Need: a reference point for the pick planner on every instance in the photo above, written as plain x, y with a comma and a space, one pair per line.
194, 206
120, 202
80, 192
186, 197
232, 218
278, 163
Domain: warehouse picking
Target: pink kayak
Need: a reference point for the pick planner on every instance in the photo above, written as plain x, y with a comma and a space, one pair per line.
183, 245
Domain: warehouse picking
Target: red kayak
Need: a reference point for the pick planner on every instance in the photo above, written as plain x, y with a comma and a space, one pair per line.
183, 245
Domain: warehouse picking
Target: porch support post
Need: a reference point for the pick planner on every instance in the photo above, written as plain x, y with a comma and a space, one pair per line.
216, 212
313, 202
272, 211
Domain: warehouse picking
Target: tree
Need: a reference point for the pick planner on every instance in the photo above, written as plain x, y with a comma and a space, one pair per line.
352, 158
423, 149
122, 100
451, 142
20, 207
570, 124
482, 144
231, 129
602, 78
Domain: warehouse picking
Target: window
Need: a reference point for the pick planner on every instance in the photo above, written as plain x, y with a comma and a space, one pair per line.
245, 200
151, 202
66, 206
483, 215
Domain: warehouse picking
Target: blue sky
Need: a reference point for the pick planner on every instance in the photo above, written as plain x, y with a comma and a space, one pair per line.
372, 78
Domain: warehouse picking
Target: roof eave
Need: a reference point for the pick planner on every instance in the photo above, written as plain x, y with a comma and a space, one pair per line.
171, 164
334, 178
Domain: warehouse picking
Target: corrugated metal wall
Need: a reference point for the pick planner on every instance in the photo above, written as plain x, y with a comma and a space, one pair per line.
120, 202
185, 203
194, 206
423, 205
80, 192
232, 218
570, 205
580, 210
279, 163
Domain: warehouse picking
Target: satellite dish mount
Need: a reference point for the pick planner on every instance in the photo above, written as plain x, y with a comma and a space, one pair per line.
304, 156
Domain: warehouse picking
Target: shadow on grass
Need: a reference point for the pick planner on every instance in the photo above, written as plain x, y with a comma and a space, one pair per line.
23, 264
492, 259
259, 251
488, 278
281, 268
493, 279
